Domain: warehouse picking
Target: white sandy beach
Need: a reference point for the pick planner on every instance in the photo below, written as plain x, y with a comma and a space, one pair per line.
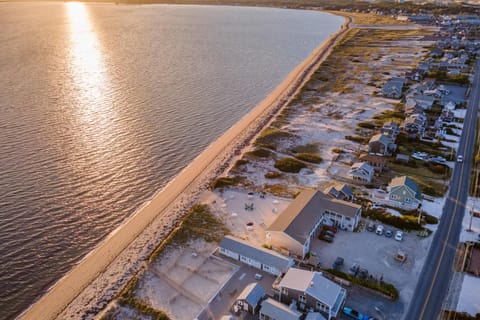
90, 285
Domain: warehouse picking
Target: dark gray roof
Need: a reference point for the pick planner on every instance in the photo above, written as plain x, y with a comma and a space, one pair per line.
406, 181
259, 254
384, 139
277, 310
252, 294
299, 217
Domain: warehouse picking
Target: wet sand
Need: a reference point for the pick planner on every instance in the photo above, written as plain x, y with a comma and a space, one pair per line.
77, 291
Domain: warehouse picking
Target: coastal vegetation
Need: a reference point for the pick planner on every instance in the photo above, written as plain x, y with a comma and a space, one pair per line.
408, 221
380, 286
199, 223
309, 157
290, 165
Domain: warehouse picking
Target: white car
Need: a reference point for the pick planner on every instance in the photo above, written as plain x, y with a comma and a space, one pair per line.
460, 158
380, 230
399, 235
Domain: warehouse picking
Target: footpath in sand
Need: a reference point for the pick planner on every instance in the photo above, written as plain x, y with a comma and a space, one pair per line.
89, 286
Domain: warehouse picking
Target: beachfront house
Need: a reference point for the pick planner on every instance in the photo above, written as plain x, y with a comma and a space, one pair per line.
298, 225
311, 290
403, 192
415, 124
381, 145
361, 172
257, 257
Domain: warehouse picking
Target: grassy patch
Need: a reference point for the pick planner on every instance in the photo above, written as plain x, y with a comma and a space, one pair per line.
307, 148
273, 175
291, 165
199, 223
405, 222
337, 150
383, 287
270, 138
280, 190
223, 182
358, 139
309, 157
260, 153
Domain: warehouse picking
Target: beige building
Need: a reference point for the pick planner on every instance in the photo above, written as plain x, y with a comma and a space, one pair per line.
295, 228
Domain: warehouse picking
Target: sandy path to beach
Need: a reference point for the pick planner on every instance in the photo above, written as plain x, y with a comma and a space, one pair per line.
90, 284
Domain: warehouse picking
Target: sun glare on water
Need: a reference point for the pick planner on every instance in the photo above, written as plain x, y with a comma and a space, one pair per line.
89, 77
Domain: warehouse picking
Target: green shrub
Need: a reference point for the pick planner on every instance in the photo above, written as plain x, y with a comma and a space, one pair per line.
367, 125
273, 175
309, 157
383, 287
307, 148
271, 136
405, 222
260, 153
241, 162
357, 139
337, 150
291, 165
223, 182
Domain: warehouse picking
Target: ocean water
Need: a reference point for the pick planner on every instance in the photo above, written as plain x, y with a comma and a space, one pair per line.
101, 105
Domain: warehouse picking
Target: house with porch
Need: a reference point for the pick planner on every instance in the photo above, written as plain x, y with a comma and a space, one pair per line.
390, 129
378, 163
403, 192
340, 192
361, 172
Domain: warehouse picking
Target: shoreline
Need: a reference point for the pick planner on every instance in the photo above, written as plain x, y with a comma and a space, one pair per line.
109, 265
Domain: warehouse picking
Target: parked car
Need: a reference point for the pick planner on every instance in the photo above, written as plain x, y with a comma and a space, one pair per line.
371, 227
330, 228
338, 263
460, 158
352, 313
353, 269
326, 238
389, 233
258, 276
399, 235
362, 273
380, 230
330, 233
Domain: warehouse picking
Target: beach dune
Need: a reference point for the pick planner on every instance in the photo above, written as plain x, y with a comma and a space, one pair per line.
198, 174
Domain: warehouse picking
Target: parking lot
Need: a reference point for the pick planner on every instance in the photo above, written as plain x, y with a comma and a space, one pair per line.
376, 254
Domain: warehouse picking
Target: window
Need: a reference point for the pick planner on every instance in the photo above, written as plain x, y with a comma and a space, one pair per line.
302, 298
285, 291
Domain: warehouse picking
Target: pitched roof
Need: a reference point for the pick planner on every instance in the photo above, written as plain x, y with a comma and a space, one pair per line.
314, 316
406, 181
277, 310
386, 140
252, 294
361, 166
312, 283
373, 158
299, 217
260, 254
337, 188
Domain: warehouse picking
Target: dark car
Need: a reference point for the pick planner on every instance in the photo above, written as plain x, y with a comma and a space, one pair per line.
353, 269
326, 238
371, 226
338, 263
330, 228
330, 233
389, 233
362, 273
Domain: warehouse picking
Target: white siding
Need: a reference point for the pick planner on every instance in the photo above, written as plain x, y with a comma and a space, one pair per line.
229, 253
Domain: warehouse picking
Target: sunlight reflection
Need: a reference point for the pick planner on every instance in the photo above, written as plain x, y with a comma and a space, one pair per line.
87, 67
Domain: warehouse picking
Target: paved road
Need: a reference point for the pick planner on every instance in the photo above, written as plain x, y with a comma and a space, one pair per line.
435, 277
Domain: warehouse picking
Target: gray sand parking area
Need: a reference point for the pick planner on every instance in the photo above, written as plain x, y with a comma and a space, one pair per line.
183, 282
376, 254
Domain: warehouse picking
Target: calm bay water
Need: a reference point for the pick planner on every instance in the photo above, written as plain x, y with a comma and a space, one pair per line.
101, 105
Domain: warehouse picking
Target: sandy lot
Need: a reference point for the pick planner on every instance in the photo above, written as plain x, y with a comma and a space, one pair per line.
185, 280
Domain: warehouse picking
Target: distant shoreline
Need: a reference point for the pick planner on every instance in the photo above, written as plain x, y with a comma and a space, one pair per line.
109, 258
